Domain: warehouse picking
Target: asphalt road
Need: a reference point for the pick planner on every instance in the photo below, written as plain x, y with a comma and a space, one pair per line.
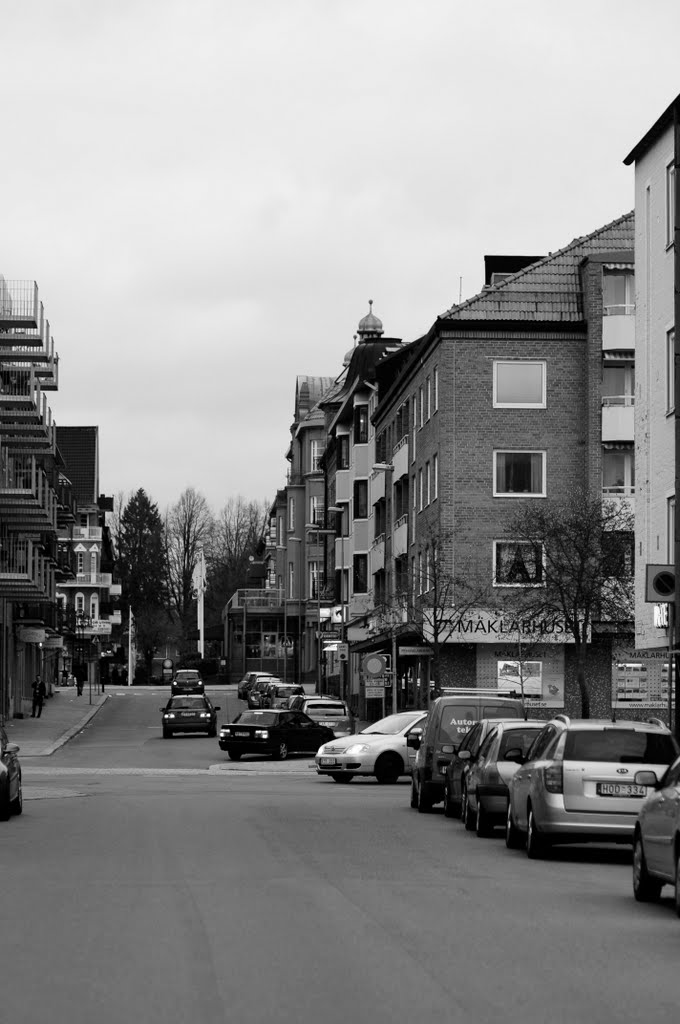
144, 882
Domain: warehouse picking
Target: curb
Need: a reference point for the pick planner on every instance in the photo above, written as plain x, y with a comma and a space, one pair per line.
66, 736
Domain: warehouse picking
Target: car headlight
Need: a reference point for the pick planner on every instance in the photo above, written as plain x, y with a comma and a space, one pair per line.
205, 714
262, 734
357, 748
225, 732
169, 714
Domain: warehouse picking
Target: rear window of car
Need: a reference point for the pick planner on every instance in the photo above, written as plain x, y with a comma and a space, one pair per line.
456, 721
518, 738
263, 718
329, 710
283, 691
619, 746
188, 703
187, 674
501, 711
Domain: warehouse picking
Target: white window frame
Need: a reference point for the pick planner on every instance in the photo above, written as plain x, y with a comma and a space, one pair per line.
522, 586
291, 580
670, 530
316, 509
315, 453
542, 404
670, 370
435, 477
428, 483
428, 390
421, 403
519, 494
670, 204
291, 514
420, 490
436, 388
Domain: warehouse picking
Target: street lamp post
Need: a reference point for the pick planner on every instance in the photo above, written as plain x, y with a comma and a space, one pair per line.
318, 531
339, 510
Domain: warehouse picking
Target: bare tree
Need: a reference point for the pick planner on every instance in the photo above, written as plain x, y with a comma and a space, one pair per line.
188, 528
235, 536
572, 562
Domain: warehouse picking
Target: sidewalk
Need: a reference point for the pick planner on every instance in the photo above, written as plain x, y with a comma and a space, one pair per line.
63, 715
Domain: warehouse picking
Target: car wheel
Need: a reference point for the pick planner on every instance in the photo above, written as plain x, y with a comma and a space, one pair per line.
212, 733
483, 825
5, 806
467, 814
167, 734
388, 768
17, 805
451, 809
281, 752
514, 839
342, 776
234, 755
645, 888
424, 802
537, 845
414, 795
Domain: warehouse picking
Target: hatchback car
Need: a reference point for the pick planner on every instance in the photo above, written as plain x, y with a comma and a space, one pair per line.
278, 695
187, 680
379, 750
11, 795
278, 732
455, 775
485, 792
248, 681
190, 712
656, 840
256, 693
578, 783
330, 711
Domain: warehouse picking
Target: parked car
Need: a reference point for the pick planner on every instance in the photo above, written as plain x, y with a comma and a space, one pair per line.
256, 692
380, 750
189, 712
187, 680
248, 681
455, 776
485, 791
330, 711
274, 731
11, 794
278, 695
451, 717
656, 839
578, 783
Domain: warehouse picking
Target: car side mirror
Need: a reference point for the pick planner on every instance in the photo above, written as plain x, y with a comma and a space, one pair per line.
413, 740
646, 778
216, 707
162, 709
464, 755
12, 748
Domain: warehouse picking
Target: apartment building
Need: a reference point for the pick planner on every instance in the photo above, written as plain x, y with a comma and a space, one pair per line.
87, 599
655, 158
524, 391
31, 499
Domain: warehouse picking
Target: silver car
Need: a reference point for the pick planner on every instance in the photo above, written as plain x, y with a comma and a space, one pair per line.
579, 785
380, 750
656, 841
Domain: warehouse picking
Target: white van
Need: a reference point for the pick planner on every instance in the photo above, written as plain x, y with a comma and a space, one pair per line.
450, 717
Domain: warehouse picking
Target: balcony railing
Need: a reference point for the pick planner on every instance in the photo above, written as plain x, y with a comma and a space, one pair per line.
254, 599
87, 533
89, 579
19, 305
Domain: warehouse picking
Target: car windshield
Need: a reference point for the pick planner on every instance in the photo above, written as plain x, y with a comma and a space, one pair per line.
518, 738
326, 710
391, 725
263, 718
193, 703
284, 691
620, 746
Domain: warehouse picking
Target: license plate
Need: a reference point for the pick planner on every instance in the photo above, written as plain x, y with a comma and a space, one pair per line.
328, 761
620, 789
246, 734
186, 714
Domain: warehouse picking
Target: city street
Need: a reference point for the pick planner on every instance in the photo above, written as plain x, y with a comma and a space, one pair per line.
154, 881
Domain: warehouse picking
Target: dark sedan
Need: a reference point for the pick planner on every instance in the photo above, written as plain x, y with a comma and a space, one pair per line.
11, 799
189, 713
277, 732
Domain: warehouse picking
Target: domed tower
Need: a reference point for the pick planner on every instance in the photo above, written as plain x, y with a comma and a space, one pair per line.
370, 327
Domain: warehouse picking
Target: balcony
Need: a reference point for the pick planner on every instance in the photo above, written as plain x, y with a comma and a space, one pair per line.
87, 533
27, 498
620, 496
89, 579
378, 554
618, 418
25, 572
377, 484
255, 599
19, 304
400, 537
618, 328
400, 459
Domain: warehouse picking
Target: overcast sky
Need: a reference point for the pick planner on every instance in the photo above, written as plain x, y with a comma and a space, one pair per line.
208, 192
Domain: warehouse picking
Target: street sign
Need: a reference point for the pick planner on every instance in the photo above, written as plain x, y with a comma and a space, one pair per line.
374, 691
343, 652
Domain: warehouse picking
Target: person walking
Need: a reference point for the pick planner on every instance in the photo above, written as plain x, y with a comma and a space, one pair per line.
39, 692
80, 674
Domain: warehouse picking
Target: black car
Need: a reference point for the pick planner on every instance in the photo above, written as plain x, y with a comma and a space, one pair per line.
187, 680
274, 731
191, 712
11, 799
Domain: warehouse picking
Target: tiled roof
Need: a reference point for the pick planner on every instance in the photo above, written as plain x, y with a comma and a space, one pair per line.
549, 290
79, 448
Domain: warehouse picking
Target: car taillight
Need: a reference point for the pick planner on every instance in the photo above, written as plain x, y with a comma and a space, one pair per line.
552, 777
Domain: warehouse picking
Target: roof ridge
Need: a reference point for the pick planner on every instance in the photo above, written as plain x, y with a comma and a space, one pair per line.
533, 267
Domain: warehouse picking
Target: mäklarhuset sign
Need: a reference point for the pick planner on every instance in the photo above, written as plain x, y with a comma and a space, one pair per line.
481, 627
